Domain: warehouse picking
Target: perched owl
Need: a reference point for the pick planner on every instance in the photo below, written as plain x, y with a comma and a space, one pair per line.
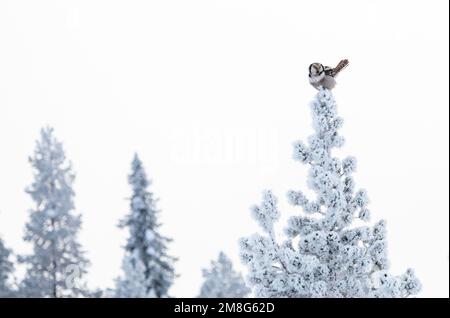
320, 75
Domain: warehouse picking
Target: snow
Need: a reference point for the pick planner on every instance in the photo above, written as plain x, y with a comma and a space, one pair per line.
146, 264
149, 235
222, 281
332, 258
57, 243
50, 213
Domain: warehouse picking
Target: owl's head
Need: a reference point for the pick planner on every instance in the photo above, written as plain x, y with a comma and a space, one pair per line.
316, 72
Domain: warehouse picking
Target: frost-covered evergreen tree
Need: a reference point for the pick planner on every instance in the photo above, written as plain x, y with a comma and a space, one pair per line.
326, 252
57, 264
134, 283
147, 265
222, 281
6, 270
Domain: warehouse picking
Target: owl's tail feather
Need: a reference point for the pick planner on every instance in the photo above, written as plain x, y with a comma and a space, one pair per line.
341, 65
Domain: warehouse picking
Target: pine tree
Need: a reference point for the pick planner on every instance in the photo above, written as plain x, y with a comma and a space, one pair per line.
146, 262
57, 263
134, 283
325, 253
222, 281
6, 270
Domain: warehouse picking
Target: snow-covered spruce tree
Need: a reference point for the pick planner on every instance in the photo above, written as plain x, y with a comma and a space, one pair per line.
222, 281
57, 263
6, 270
325, 252
133, 284
147, 265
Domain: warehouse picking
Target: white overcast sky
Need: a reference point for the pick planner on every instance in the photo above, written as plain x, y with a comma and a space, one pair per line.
212, 94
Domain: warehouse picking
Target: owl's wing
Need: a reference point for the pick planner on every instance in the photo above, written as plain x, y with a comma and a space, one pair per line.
328, 70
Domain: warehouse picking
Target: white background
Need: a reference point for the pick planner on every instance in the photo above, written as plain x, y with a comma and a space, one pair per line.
212, 94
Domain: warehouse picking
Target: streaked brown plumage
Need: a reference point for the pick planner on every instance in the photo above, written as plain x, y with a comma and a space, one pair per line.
320, 75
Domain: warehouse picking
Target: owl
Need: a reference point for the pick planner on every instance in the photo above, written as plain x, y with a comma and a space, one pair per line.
320, 75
